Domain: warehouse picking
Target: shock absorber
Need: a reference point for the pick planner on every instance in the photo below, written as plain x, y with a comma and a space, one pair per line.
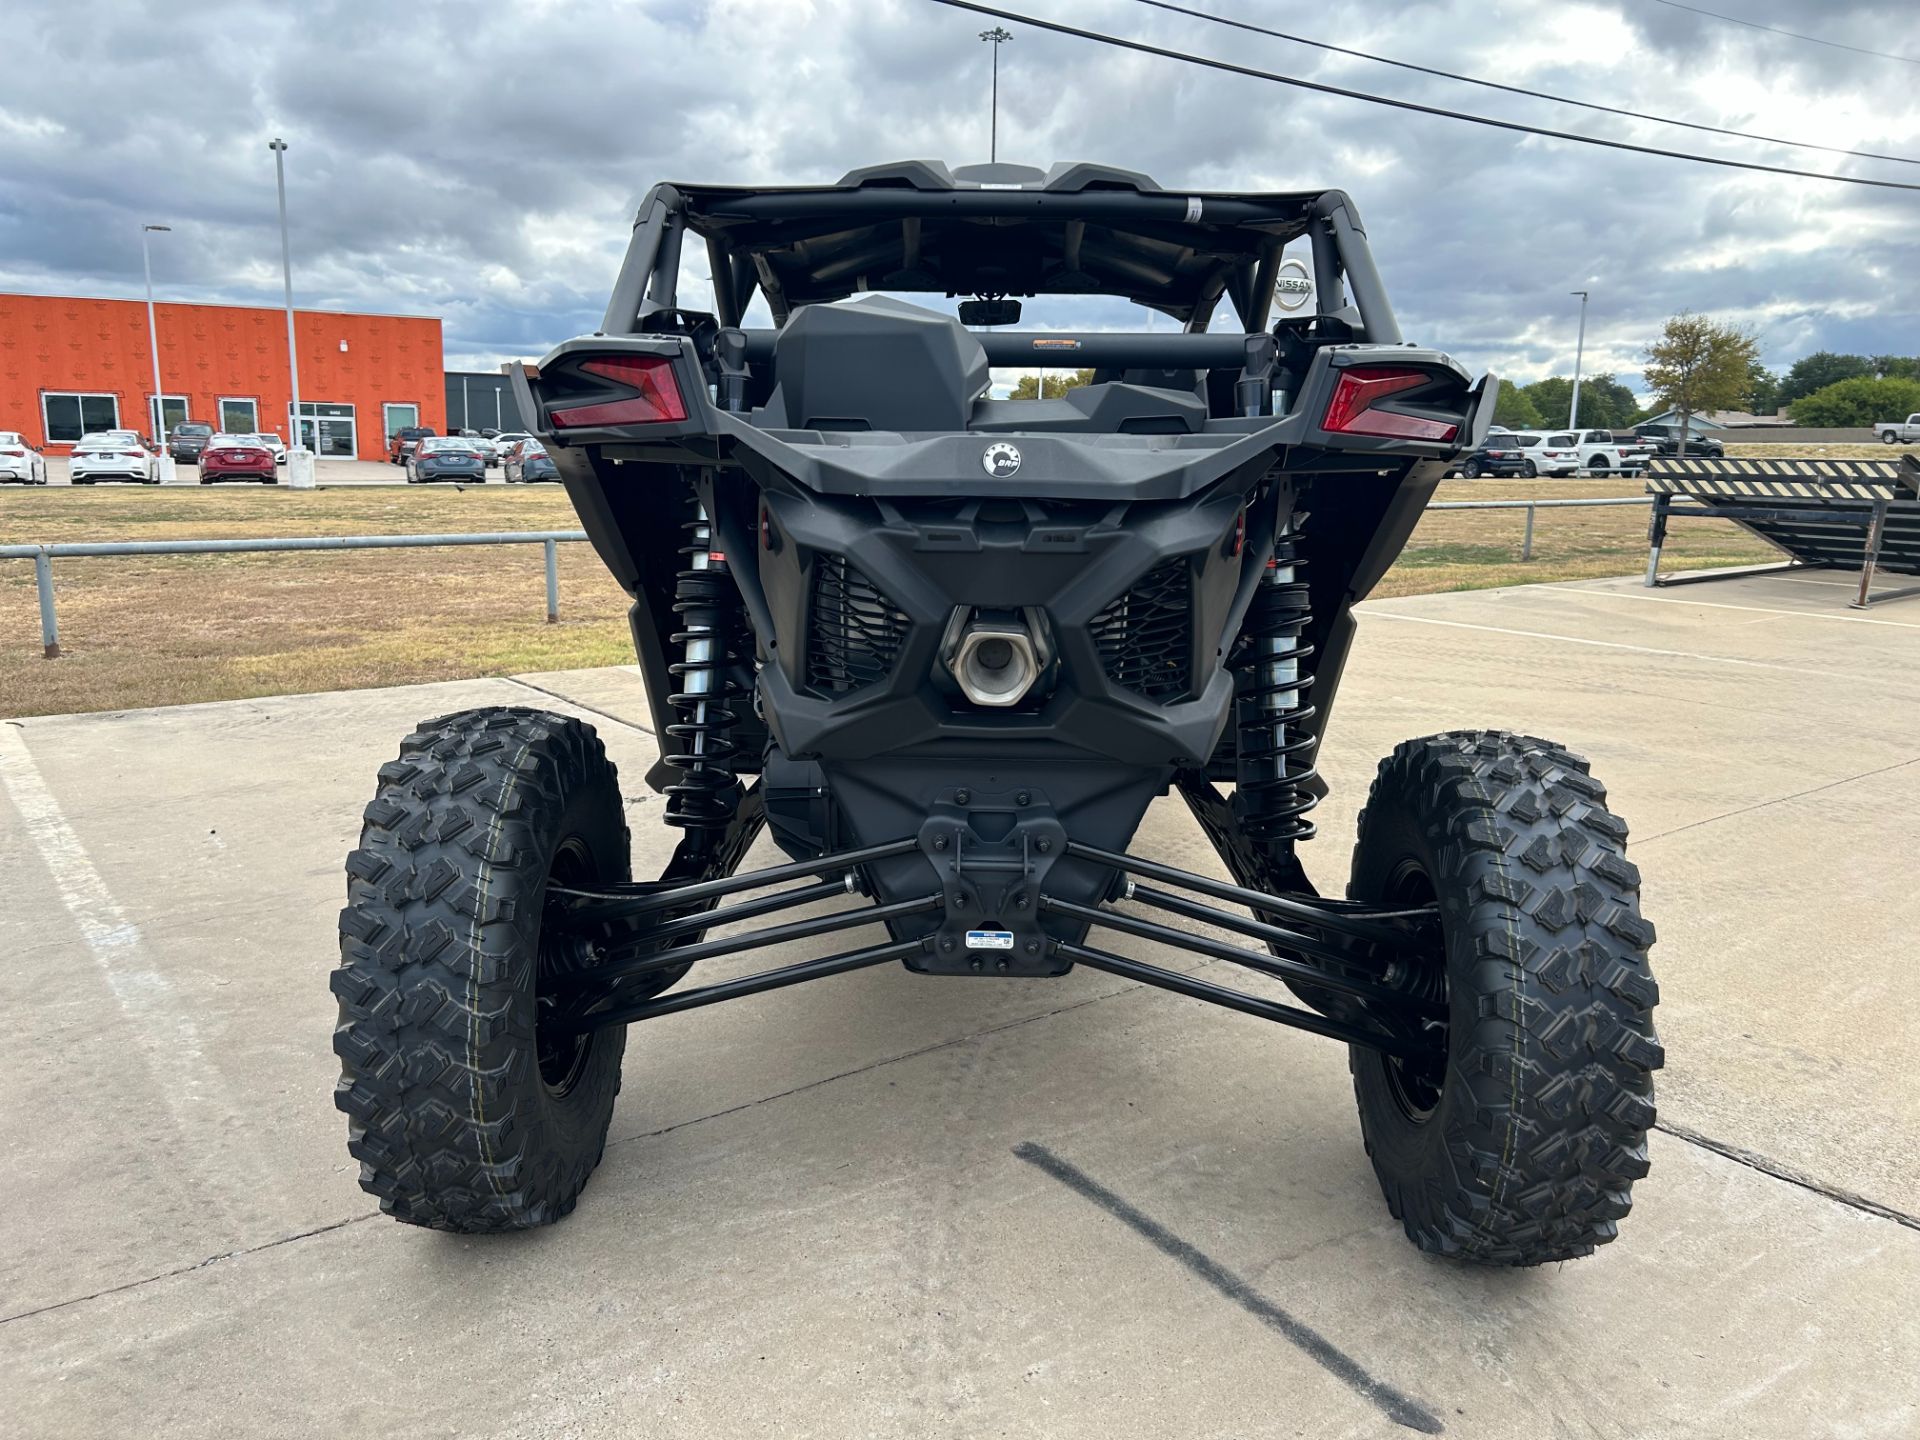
1274, 764
707, 792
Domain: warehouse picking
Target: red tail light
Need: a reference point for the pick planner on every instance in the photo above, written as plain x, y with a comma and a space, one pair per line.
656, 398
1358, 390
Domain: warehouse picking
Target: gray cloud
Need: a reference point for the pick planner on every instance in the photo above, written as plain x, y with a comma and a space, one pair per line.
480, 162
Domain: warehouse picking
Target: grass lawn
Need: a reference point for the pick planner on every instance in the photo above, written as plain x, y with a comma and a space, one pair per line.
170, 630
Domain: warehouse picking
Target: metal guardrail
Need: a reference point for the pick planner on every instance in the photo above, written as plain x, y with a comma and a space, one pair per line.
43, 556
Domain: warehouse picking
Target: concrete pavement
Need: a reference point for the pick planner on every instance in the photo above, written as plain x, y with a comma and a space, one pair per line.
891, 1205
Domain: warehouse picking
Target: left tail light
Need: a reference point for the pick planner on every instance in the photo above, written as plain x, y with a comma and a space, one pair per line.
1357, 405
653, 398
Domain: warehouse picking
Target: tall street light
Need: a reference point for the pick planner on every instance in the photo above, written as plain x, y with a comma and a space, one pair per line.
999, 36
279, 148
1579, 351
153, 336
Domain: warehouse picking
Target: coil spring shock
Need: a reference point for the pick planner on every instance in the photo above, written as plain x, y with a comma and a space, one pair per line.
706, 795
1274, 765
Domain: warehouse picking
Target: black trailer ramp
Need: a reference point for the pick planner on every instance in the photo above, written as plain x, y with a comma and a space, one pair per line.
1824, 514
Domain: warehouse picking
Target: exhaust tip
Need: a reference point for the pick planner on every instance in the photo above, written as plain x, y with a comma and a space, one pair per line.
995, 664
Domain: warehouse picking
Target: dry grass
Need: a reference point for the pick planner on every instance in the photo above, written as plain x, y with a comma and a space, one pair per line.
162, 631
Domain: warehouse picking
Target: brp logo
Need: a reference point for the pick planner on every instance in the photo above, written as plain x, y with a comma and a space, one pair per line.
1001, 461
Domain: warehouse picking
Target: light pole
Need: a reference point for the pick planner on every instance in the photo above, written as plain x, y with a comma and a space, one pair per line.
279, 148
999, 35
153, 337
1579, 352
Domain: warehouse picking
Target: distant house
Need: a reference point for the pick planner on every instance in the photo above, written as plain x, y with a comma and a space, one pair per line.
1672, 418
1719, 420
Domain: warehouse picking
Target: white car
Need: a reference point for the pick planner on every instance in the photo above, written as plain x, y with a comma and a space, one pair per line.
1554, 454
20, 463
270, 440
507, 439
106, 456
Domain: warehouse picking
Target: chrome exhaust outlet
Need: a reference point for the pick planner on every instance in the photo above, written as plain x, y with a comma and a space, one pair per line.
994, 662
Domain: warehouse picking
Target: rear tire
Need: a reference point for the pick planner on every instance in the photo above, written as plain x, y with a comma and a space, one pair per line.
1599, 467
464, 1112
1519, 1142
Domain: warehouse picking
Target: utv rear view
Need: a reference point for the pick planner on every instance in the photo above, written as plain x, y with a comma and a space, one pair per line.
947, 649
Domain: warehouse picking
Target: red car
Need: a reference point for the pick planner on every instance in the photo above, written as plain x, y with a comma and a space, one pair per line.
227, 457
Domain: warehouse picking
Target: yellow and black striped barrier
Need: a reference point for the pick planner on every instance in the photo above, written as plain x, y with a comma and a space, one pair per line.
1828, 513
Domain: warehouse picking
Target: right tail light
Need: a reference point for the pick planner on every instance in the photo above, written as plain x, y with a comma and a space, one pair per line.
1356, 406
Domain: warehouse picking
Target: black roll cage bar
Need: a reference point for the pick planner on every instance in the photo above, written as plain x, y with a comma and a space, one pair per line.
647, 285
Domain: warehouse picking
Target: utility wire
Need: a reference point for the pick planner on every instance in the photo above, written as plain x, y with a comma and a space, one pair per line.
1516, 89
1141, 46
1790, 34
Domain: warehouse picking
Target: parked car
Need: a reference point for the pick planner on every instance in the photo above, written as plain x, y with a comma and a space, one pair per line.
1499, 454
1899, 432
272, 441
404, 439
1602, 452
445, 457
188, 439
1547, 454
1665, 440
109, 456
530, 463
507, 439
489, 449
237, 457
20, 463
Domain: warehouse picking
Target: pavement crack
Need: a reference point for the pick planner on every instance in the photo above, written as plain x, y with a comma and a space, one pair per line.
1779, 800
1780, 1171
179, 1270
579, 704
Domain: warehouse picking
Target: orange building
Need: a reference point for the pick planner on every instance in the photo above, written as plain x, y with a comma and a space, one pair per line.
71, 366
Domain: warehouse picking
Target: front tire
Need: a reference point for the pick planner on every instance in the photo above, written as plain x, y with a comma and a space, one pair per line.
1472, 472
465, 1112
1530, 470
1518, 1141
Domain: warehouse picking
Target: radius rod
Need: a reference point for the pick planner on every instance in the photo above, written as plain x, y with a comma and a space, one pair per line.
1358, 924
1279, 968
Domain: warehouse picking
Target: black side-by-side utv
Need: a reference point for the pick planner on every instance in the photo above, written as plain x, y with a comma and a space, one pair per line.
947, 648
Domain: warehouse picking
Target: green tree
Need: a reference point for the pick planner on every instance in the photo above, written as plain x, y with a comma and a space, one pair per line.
1763, 390
1698, 364
1860, 401
1049, 385
1551, 397
1819, 370
1606, 404
1897, 367
1514, 410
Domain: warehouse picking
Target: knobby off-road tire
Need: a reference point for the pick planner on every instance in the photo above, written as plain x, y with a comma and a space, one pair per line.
462, 1113
1524, 1145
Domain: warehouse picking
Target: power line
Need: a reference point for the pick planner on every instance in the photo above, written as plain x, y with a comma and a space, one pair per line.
1141, 46
1790, 34
1517, 89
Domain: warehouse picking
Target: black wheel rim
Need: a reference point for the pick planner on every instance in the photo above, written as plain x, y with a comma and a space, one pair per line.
562, 1053
1417, 1084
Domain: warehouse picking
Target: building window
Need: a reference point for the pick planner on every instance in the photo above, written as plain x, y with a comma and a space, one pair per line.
398, 417
171, 411
327, 429
68, 416
239, 417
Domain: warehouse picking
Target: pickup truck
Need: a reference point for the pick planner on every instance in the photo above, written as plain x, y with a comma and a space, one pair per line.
1603, 452
1899, 432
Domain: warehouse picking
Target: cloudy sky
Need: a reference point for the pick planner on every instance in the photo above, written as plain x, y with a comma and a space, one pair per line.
481, 162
